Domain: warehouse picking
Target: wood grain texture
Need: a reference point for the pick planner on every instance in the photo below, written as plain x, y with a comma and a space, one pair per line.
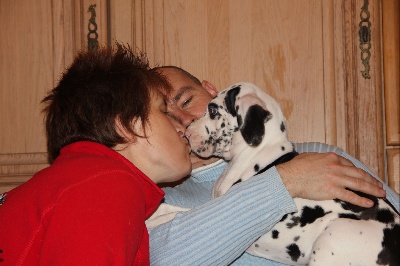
363, 96
304, 53
393, 156
39, 41
391, 72
265, 42
18, 168
26, 73
391, 68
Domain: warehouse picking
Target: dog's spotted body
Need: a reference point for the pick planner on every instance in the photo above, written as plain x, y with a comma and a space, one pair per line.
246, 127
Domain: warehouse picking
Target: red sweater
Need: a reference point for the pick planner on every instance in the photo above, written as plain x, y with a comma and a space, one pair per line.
87, 208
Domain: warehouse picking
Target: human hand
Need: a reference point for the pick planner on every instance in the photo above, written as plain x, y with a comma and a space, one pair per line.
324, 176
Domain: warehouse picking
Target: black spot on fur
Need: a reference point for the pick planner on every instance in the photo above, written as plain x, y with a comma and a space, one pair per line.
256, 167
237, 182
275, 234
283, 159
348, 216
283, 128
309, 215
390, 254
295, 220
240, 121
293, 251
253, 129
382, 215
355, 208
391, 206
283, 148
296, 238
385, 216
230, 100
284, 217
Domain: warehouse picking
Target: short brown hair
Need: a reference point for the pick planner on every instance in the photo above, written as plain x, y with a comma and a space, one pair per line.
193, 78
98, 87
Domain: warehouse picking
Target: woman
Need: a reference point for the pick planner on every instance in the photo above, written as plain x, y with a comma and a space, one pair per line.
109, 141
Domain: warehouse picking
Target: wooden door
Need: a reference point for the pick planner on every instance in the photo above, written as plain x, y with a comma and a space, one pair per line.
391, 70
305, 53
38, 41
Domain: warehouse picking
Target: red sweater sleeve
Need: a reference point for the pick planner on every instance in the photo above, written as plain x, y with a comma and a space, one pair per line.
97, 222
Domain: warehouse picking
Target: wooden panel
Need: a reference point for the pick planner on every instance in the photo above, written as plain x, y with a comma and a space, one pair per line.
15, 169
265, 42
26, 73
39, 41
305, 53
391, 68
334, 73
393, 157
122, 16
363, 96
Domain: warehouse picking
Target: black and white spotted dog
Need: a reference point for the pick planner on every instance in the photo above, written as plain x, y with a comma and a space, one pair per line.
246, 127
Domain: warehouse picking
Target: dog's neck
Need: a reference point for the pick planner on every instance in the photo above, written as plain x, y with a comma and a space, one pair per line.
268, 152
273, 146
250, 161
264, 155
283, 159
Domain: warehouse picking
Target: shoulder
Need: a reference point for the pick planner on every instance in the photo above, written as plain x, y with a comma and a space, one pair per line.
317, 147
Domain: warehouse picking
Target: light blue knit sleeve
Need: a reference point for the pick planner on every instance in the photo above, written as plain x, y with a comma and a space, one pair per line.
219, 231
391, 195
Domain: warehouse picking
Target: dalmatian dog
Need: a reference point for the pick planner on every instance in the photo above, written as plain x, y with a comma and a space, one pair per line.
246, 127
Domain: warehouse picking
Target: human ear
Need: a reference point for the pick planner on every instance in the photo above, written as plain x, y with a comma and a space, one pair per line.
123, 132
209, 87
253, 115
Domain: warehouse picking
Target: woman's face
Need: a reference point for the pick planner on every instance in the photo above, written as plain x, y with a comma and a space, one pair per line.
164, 155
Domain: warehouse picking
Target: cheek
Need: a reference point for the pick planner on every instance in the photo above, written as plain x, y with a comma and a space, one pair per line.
201, 108
175, 157
172, 145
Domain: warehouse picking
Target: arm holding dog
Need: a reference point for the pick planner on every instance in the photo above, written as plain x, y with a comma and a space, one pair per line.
166, 240
329, 181
252, 136
320, 150
216, 232
189, 236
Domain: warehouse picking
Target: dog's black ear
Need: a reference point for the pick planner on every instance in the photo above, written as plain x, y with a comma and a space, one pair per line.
230, 100
253, 129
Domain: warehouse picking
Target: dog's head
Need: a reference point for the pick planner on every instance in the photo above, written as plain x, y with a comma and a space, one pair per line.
238, 117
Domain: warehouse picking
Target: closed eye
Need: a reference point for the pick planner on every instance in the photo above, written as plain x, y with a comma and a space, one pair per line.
187, 102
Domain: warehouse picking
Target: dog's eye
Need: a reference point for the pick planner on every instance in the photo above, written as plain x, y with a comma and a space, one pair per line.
213, 110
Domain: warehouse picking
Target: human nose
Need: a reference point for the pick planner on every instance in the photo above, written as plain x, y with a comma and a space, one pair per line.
178, 126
